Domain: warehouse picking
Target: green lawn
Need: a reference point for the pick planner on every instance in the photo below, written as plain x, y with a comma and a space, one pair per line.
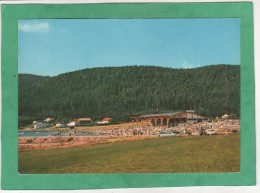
167, 154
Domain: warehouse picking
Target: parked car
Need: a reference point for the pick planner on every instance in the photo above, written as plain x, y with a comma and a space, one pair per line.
211, 132
166, 133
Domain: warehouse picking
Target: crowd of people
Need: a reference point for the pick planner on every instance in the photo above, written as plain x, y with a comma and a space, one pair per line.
220, 127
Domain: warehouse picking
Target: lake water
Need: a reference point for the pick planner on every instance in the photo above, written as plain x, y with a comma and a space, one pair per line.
42, 134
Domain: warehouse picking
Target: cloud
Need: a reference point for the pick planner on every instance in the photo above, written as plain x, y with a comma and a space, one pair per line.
188, 65
34, 27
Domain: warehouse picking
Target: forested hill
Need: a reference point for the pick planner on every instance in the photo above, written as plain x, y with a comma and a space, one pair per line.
121, 92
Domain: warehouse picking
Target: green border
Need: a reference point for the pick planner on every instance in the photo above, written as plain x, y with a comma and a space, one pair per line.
10, 16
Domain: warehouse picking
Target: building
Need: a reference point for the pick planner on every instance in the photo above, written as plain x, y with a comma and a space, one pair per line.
38, 125
83, 121
71, 124
225, 116
168, 119
105, 121
59, 125
49, 119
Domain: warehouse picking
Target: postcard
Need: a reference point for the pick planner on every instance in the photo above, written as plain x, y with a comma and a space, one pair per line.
127, 95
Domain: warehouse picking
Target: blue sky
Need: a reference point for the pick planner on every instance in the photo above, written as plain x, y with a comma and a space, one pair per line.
54, 46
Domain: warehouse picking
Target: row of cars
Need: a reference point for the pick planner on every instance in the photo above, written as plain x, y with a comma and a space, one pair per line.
176, 133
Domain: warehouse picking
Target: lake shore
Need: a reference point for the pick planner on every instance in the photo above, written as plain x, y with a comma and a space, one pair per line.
89, 136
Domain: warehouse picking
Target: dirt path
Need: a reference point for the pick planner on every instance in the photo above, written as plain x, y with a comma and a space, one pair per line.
35, 143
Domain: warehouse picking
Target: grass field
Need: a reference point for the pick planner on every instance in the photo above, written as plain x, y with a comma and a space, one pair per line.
167, 154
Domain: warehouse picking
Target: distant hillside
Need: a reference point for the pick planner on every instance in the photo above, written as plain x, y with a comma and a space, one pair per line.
121, 92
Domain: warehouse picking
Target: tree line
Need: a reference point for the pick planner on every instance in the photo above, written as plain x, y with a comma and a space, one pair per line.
122, 92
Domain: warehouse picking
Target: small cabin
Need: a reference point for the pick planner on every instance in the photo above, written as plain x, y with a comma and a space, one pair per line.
49, 119
38, 125
71, 124
83, 121
225, 116
59, 125
105, 120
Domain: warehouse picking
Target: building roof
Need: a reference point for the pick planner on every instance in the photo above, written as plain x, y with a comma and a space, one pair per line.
172, 114
107, 119
48, 119
84, 119
160, 114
